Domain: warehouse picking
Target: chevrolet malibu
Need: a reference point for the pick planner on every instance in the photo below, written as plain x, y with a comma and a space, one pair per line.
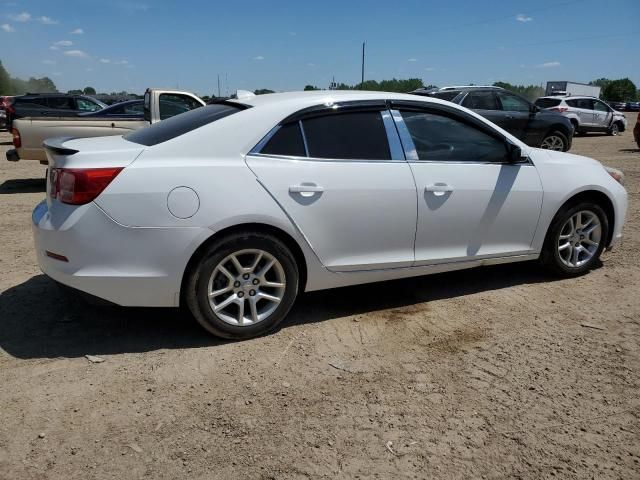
235, 208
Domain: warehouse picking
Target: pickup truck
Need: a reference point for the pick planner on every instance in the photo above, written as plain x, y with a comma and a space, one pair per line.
30, 133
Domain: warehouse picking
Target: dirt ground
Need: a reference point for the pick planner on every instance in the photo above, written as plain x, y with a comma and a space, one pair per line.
500, 372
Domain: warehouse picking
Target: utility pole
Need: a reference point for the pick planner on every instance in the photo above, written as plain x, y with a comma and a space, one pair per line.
362, 77
218, 85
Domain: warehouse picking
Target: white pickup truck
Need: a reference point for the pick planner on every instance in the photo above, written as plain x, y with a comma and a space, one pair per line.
30, 133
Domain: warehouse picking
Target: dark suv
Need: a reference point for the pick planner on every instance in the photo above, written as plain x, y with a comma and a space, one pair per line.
518, 116
49, 105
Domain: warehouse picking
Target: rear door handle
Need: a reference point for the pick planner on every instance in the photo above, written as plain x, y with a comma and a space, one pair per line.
439, 189
306, 190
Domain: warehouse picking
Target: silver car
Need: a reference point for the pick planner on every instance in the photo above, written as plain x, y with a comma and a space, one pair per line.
587, 114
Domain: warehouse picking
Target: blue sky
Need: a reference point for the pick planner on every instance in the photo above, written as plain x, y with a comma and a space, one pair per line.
130, 45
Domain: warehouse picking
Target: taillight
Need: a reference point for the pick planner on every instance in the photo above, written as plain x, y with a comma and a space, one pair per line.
77, 186
559, 109
17, 141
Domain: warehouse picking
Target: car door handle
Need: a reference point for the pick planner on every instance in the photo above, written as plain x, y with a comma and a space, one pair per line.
439, 189
306, 190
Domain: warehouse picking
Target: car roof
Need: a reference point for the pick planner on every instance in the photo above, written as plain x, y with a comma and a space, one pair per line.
299, 100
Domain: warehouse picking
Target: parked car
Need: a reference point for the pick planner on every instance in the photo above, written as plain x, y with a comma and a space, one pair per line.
620, 106
5, 102
636, 131
129, 108
633, 106
235, 208
587, 114
50, 104
30, 133
512, 112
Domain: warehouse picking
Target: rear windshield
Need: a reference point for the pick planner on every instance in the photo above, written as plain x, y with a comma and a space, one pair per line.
180, 124
548, 102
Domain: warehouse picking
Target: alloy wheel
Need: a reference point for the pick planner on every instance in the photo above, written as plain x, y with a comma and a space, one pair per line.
579, 239
553, 142
246, 287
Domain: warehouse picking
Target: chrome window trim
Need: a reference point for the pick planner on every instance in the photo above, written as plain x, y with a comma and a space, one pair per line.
326, 160
395, 145
304, 138
410, 152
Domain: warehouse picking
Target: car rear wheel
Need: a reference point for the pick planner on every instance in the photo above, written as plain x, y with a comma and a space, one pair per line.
575, 239
243, 286
555, 141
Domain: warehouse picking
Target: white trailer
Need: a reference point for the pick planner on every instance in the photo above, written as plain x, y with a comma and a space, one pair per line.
572, 88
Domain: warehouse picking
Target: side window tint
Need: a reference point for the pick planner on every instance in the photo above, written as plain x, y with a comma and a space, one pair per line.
61, 103
599, 106
481, 101
286, 141
347, 136
441, 138
86, 105
584, 103
511, 103
172, 105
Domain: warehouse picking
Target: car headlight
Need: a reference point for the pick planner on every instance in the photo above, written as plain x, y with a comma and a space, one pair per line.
616, 174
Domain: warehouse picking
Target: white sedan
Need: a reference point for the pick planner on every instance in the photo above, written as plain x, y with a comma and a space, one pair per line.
235, 208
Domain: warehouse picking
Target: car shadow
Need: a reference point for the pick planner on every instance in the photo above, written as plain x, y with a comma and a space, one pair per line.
23, 185
40, 320
5, 143
630, 150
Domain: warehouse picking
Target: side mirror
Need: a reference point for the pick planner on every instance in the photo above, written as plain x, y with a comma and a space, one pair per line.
514, 153
534, 109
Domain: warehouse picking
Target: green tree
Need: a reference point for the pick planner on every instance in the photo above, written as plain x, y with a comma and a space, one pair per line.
308, 88
5, 82
89, 91
263, 91
619, 90
530, 92
74, 92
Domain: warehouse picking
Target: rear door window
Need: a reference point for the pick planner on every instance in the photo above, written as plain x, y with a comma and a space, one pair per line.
347, 136
61, 103
286, 141
481, 101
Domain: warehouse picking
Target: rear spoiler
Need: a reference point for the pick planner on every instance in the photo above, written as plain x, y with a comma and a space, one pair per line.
54, 145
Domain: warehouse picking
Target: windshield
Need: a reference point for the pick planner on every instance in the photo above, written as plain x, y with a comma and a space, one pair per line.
180, 124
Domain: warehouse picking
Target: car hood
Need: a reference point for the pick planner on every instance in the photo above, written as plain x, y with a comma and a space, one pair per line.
551, 157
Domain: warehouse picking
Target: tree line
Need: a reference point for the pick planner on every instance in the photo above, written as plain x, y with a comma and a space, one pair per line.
17, 86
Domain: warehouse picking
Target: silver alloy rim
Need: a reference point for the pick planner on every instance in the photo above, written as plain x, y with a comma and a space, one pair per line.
579, 239
553, 142
246, 287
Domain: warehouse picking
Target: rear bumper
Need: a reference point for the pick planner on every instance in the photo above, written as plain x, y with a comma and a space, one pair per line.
124, 265
12, 155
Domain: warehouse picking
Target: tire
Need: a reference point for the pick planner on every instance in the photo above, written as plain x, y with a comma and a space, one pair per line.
216, 271
614, 130
555, 259
555, 140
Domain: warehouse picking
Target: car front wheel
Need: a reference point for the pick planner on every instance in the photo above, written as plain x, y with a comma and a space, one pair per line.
614, 129
575, 239
243, 286
555, 141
